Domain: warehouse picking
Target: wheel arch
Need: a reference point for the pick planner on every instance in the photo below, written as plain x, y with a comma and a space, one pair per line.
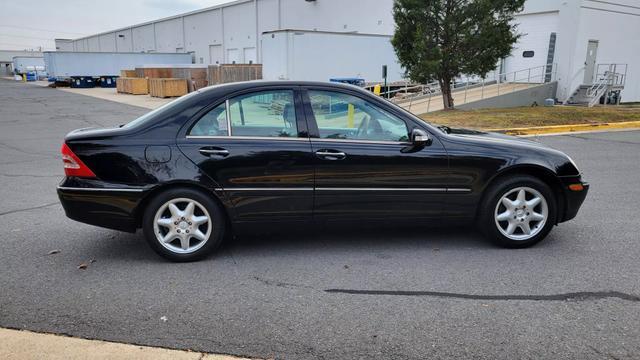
542, 173
141, 207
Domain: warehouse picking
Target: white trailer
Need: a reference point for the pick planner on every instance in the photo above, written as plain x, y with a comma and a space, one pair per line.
23, 64
65, 64
322, 55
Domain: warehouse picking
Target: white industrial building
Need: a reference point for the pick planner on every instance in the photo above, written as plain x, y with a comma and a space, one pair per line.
575, 36
7, 58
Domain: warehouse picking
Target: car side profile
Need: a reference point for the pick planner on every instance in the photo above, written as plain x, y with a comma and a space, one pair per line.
242, 156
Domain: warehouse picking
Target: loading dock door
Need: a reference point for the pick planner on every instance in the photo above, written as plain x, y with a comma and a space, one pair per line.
590, 62
250, 55
532, 49
215, 54
233, 56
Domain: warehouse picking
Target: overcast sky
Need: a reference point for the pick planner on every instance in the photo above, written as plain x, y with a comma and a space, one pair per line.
34, 23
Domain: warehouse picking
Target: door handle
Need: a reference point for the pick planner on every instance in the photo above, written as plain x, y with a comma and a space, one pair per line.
214, 152
328, 154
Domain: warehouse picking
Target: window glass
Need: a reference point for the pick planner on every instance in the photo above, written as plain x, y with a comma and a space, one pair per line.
342, 116
263, 114
213, 123
528, 53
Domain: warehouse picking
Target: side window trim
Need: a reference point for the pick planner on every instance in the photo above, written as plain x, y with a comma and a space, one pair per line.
314, 131
228, 116
302, 123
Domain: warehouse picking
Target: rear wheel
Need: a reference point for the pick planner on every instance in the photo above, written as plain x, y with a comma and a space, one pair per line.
518, 211
183, 224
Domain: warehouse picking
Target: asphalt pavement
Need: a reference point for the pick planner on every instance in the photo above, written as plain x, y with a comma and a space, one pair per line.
392, 294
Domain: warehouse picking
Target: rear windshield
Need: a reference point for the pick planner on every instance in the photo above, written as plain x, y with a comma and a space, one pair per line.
166, 107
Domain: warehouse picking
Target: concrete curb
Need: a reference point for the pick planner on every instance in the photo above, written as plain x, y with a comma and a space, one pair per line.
22, 344
537, 130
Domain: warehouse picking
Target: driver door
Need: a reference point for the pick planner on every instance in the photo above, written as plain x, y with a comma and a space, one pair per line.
364, 165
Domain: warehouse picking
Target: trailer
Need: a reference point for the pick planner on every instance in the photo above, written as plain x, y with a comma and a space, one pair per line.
24, 64
322, 55
64, 65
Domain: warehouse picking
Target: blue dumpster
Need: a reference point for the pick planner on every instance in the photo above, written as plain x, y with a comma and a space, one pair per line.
107, 81
82, 82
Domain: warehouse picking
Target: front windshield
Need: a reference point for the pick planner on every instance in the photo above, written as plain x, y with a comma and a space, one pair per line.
142, 119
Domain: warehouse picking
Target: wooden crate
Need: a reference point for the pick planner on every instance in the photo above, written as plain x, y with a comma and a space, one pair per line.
120, 85
196, 74
134, 86
128, 73
155, 73
168, 87
226, 73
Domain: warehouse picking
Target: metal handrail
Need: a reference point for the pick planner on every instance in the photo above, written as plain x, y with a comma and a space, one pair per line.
430, 89
604, 81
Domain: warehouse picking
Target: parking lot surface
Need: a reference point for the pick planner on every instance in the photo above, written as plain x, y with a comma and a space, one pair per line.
392, 294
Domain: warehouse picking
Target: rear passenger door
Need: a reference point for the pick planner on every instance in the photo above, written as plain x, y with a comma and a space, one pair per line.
255, 145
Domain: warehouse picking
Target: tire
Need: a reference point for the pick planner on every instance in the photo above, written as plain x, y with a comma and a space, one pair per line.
166, 227
498, 217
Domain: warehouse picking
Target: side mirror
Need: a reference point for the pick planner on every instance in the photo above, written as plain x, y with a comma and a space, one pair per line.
420, 137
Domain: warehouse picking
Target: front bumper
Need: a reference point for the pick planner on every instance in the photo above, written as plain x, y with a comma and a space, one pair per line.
101, 204
573, 198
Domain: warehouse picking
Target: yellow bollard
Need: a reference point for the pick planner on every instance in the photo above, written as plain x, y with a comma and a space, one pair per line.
350, 113
24, 77
377, 89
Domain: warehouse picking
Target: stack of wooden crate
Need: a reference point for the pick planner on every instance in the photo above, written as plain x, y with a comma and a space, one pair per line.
227, 73
169, 87
132, 85
194, 73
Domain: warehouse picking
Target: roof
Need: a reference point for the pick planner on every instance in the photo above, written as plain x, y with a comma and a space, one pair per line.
227, 4
236, 86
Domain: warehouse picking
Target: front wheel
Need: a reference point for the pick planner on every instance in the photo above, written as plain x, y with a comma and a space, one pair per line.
518, 212
183, 225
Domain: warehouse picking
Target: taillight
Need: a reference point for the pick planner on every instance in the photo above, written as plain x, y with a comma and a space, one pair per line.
73, 166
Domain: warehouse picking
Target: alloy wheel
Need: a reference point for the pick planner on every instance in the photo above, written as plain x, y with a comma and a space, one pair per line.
521, 213
182, 225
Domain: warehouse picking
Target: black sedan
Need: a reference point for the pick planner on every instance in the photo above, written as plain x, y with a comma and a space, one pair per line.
247, 156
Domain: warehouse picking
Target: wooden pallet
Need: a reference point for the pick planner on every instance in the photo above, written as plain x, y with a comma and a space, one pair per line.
132, 85
168, 87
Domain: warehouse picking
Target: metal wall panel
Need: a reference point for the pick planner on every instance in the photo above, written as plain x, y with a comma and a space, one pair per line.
93, 43
363, 16
239, 30
143, 38
124, 41
107, 42
202, 31
169, 36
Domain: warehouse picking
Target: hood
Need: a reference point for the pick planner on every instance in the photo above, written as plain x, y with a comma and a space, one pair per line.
475, 134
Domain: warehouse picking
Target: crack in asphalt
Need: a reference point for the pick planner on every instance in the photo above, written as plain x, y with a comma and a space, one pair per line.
29, 208
280, 283
574, 296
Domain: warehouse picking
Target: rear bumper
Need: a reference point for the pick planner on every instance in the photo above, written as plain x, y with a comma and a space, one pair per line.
573, 198
100, 204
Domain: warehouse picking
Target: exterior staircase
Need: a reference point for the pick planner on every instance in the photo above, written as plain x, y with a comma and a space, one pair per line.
612, 78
